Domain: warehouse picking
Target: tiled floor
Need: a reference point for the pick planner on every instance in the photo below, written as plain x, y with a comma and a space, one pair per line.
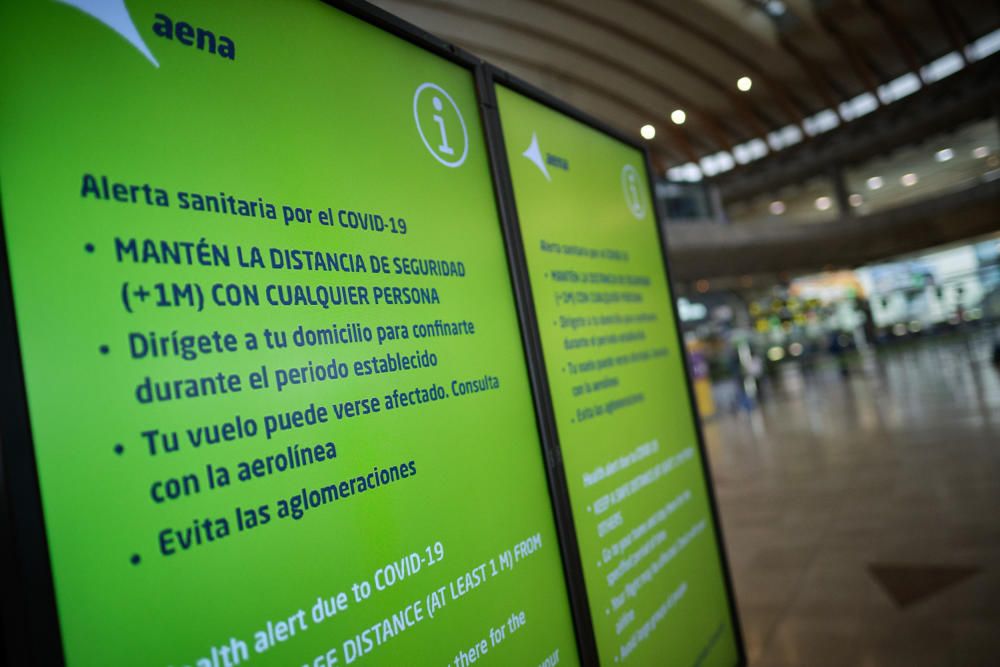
895, 466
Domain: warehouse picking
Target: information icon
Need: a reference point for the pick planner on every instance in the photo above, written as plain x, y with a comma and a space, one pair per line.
632, 190
440, 124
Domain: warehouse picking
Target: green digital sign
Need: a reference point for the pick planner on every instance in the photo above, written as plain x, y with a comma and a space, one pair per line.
655, 580
277, 394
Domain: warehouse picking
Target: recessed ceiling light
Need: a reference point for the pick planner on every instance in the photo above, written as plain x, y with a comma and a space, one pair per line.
874, 183
823, 203
777, 207
744, 83
774, 7
855, 200
908, 179
678, 116
944, 155
647, 131
979, 152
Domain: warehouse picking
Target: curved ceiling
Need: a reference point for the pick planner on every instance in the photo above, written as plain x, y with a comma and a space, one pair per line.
632, 62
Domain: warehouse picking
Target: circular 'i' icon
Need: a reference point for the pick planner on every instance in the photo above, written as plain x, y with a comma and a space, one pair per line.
633, 192
440, 124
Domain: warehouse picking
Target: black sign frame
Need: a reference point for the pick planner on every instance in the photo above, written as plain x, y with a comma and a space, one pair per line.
490, 77
31, 632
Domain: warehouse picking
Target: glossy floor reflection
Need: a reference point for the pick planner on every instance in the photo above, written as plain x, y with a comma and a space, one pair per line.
862, 513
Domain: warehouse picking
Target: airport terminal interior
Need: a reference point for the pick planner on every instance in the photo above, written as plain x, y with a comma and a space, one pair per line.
830, 172
824, 178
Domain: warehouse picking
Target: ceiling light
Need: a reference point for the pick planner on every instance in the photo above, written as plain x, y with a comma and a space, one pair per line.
777, 207
744, 83
874, 183
908, 179
823, 203
647, 131
944, 155
855, 200
979, 152
678, 116
774, 7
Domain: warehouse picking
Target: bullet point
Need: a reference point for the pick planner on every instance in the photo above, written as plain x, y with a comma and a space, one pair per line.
104, 349
119, 449
134, 559
607, 612
89, 247
588, 508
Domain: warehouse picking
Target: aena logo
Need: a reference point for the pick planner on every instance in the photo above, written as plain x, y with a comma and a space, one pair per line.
534, 155
115, 15
200, 38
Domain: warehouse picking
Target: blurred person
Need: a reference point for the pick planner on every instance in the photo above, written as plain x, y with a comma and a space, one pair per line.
741, 399
838, 348
868, 323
